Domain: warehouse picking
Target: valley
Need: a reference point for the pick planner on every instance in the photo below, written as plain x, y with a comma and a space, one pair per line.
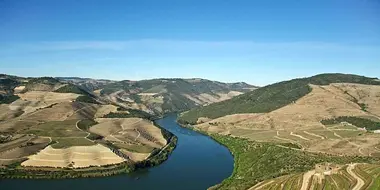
280, 135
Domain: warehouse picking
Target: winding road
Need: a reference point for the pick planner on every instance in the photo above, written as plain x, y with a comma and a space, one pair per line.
359, 181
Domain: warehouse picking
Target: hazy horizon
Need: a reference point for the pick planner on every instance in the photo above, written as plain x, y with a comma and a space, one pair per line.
233, 41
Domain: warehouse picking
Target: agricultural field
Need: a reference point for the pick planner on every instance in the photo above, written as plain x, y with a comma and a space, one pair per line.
135, 137
75, 156
69, 142
20, 147
57, 129
343, 177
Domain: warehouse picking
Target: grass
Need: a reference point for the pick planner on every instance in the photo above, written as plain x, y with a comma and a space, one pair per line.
346, 134
86, 99
85, 124
132, 113
256, 162
57, 129
267, 135
324, 133
71, 88
269, 98
8, 99
357, 121
340, 126
68, 142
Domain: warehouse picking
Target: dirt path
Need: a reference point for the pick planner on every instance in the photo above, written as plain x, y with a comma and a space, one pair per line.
88, 134
138, 135
307, 179
260, 185
299, 136
360, 182
51, 140
162, 149
313, 134
284, 139
362, 153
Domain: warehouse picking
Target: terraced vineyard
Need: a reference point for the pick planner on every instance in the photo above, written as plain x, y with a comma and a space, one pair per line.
352, 176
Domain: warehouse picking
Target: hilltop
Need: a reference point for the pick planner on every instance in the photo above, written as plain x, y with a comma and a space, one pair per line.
271, 97
331, 113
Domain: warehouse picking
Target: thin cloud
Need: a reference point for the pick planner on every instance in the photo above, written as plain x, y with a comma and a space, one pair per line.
179, 45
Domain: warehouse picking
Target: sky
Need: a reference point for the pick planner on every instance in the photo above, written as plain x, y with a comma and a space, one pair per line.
255, 41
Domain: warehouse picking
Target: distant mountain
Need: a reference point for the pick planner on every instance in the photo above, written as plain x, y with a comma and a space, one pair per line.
87, 83
155, 96
170, 95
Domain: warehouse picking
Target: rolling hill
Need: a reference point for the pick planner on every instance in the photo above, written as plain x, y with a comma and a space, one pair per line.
330, 113
159, 96
42, 120
320, 132
271, 97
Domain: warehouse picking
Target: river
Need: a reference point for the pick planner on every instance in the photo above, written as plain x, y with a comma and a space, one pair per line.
197, 163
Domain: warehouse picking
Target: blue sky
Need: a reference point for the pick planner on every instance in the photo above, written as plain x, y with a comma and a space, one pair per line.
259, 42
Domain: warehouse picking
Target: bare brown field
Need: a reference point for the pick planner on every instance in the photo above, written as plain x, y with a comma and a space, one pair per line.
63, 111
33, 100
205, 98
15, 126
6, 113
75, 156
135, 130
299, 122
135, 156
104, 110
21, 148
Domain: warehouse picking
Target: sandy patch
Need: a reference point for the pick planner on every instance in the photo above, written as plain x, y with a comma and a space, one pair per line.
18, 89
76, 156
33, 100
147, 94
134, 156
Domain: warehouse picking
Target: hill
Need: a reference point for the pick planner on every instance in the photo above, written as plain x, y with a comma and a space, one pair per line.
271, 97
159, 96
42, 120
330, 113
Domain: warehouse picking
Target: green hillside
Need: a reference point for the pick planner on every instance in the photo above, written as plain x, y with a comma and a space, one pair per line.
70, 88
270, 97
